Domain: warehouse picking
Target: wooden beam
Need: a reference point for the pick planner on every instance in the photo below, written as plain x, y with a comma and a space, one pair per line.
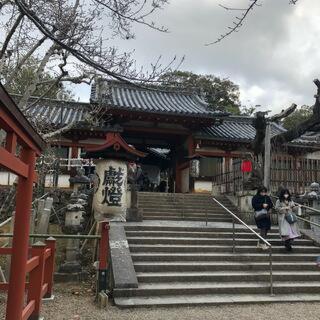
78, 144
27, 311
9, 125
226, 154
11, 142
157, 130
13, 164
8, 107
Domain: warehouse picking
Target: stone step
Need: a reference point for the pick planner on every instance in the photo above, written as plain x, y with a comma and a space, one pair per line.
167, 203
171, 201
188, 263
168, 209
226, 276
245, 257
211, 299
177, 229
216, 248
198, 266
177, 199
207, 241
186, 218
185, 234
167, 194
194, 288
207, 203
191, 214
181, 200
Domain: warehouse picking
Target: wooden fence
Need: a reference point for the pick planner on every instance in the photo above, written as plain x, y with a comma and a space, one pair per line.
294, 173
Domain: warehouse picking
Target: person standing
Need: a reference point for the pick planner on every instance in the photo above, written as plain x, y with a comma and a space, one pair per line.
288, 226
262, 204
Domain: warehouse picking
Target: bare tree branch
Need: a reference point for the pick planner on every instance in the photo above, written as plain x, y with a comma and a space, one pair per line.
132, 18
81, 56
305, 126
59, 131
24, 59
284, 113
41, 27
239, 20
10, 34
236, 25
23, 102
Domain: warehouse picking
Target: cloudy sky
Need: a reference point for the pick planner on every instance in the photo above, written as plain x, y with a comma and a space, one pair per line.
274, 57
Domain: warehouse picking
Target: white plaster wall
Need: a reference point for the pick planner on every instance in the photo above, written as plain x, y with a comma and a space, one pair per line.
313, 155
7, 178
203, 186
63, 181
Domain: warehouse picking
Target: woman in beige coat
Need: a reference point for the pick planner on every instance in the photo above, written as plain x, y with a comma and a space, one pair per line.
284, 206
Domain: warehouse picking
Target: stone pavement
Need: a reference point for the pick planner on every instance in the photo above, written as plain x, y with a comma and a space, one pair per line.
67, 306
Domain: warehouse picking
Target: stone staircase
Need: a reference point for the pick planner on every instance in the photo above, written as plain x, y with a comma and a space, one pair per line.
185, 262
186, 207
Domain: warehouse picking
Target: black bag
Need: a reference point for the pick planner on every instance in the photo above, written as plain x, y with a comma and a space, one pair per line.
261, 214
291, 218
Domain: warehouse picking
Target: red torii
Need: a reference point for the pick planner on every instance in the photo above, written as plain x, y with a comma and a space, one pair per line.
19, 132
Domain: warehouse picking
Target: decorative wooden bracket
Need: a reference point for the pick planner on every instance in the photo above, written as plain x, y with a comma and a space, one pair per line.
115, 141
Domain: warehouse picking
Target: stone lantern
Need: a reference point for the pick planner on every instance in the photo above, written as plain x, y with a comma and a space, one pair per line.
314, 198
74, 216
110, 185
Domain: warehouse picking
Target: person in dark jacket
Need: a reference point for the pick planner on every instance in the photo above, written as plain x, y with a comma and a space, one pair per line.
261, 202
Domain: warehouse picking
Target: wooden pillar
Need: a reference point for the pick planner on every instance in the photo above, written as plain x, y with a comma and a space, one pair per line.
191, 152
267, 157
229, 179
178, 183
74, 154
20, 241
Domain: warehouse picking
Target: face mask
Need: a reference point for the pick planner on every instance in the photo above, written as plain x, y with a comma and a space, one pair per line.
286, 196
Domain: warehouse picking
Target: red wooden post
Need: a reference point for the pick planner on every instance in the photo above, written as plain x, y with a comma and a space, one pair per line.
20, 240
36, 278
49, 266
11, 142
74, 155
103, 257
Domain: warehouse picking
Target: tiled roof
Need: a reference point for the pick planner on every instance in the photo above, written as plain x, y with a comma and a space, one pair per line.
237, 129
309, 138
57, 112
117, 95
241, 129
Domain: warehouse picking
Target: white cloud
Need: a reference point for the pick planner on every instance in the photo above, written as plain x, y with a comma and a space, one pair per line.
273, 58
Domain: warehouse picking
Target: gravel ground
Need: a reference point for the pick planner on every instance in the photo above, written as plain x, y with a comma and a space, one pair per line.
74, 302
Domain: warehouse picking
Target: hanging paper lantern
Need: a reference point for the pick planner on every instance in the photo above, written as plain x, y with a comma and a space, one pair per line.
246, 166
